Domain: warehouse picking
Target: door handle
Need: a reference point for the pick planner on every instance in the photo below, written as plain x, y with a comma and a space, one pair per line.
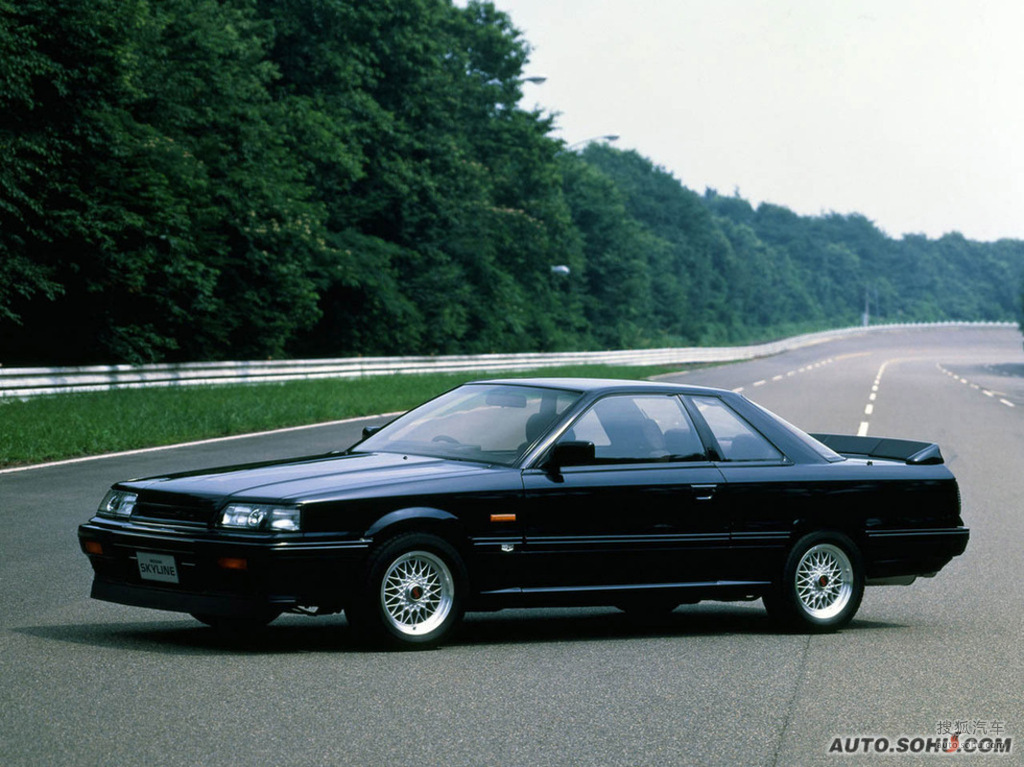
703, 492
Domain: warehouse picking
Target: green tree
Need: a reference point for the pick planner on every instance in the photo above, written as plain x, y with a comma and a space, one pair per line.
200, 179
152, 193
618, 299
31, 154
445, 193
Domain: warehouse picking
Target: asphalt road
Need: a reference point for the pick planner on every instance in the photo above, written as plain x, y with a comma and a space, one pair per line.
90, 683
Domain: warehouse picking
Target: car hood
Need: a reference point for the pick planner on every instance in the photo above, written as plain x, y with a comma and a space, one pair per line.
307, 479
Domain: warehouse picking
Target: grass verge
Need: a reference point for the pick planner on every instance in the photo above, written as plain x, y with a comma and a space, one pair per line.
75, 425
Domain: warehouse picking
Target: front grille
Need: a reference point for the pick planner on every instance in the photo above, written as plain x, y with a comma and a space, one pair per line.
178, 510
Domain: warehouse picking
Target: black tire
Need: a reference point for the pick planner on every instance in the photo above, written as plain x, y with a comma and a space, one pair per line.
237, 625
821, 586
413, 594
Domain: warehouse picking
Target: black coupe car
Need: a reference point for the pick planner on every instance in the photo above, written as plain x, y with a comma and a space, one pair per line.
537, 492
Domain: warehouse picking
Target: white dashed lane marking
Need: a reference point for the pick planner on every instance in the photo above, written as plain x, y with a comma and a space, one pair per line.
869, 408
976, 387
788, 374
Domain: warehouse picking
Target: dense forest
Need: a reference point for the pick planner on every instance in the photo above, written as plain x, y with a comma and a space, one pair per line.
210, 179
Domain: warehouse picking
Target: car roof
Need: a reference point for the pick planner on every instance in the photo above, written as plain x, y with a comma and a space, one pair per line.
602, 385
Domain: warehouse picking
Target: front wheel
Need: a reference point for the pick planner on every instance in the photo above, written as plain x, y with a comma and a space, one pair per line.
413, 594
822, 584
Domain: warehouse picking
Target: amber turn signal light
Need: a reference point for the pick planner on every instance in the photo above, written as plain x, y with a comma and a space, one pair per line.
93, 547
233, 563
503, 517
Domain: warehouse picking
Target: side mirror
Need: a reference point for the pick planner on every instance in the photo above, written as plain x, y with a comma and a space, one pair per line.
571, 453
369, 431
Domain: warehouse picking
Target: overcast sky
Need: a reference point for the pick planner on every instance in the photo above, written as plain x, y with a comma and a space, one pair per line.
910, 112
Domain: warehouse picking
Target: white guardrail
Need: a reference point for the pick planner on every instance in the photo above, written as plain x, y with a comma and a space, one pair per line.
31, 382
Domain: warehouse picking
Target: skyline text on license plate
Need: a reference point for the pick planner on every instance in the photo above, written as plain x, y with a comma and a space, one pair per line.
157, 567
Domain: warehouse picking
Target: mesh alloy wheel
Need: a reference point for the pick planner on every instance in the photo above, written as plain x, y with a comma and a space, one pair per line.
824, 581
821, 584
414, 593
417, 593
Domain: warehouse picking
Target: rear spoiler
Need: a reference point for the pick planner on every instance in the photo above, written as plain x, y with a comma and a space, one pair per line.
915, 453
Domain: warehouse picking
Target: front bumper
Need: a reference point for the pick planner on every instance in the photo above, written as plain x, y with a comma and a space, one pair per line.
222, 573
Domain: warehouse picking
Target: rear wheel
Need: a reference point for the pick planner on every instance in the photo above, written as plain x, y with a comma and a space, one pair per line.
413, 594
821, 586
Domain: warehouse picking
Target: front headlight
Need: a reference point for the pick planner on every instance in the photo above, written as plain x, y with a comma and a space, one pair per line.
258, 516
117, 504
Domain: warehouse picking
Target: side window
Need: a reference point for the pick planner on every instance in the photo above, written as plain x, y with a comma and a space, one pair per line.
638, 428
738, 440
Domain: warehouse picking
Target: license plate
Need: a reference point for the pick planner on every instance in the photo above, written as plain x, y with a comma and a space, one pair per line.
157, 567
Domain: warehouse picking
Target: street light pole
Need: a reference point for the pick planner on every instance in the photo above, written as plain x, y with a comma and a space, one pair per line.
608, 137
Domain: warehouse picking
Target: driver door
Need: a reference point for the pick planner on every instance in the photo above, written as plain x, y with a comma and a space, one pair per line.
642, 513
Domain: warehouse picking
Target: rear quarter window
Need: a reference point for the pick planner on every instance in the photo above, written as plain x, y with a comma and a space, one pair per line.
737, 439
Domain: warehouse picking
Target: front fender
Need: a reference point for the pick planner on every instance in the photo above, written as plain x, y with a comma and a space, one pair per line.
422, 518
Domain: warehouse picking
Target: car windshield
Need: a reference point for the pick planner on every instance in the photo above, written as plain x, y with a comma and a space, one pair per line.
489, 423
